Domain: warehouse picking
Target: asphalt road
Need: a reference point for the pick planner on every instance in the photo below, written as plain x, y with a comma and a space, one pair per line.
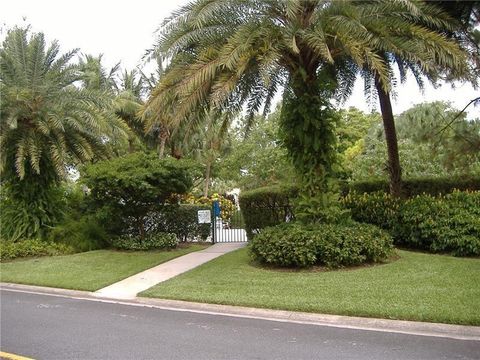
48, 327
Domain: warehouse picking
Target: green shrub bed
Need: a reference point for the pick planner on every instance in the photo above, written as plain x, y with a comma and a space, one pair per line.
31, 248
446, 223
330, 245
149, 242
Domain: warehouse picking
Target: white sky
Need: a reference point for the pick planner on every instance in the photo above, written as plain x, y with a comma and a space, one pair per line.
123, 30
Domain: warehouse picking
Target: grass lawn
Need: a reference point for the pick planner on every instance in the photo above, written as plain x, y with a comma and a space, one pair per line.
417, 286
90, 271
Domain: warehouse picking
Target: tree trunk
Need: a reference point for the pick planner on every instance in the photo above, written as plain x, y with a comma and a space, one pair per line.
131, 149
207, 178
394, 169
163, 135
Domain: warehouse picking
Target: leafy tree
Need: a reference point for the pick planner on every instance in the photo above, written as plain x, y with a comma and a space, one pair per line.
47, 124
127, 189
258, 159
230, 53
425, 149
352, 128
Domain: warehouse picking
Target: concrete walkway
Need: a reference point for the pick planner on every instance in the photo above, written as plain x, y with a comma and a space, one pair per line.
130, 287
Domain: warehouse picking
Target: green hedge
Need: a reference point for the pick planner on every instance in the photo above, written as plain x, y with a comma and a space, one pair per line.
267, 206
182, 220
30, 248
446, 223
417, 186
149, 242
331, 245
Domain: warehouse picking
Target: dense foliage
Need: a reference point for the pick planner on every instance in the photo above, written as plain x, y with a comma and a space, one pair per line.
257, 159
182, 221
331, 245
153, 241
47, 124
31, 248
417, 186
433, 139
445, 223
267, 206
126, 190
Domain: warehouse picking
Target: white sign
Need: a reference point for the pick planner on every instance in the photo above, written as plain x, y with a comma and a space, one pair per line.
204, 217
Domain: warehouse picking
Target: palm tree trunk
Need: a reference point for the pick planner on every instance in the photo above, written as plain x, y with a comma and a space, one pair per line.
207, 178
131, 149
394, 168
163, 139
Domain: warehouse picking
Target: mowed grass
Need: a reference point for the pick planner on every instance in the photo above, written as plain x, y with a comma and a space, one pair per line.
416, 286
89, 271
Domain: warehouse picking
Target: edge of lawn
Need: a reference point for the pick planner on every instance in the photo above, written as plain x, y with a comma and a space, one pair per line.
415, 286
88, 271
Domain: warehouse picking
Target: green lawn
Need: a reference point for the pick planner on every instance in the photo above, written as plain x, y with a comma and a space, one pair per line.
90, 271
417, 286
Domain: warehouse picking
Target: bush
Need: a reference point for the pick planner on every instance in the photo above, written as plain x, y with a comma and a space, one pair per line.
378, 208
84, 234
126, 190
449, 223
267, 206
182, 220
31, 247
332, 245
149, 242
418, 186
29, 208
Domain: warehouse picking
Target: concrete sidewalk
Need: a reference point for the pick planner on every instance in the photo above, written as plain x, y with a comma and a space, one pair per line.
130, 287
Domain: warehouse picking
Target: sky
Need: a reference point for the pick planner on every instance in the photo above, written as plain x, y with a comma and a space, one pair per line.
123, 30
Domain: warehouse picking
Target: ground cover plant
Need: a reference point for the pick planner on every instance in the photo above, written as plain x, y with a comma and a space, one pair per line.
89, 270
417, 286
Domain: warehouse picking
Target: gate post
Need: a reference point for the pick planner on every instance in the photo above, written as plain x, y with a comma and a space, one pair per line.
215, 210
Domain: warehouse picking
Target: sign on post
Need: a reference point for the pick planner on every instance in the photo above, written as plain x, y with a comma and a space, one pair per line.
204, 217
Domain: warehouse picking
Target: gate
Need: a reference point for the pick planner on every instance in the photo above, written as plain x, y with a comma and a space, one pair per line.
225, 230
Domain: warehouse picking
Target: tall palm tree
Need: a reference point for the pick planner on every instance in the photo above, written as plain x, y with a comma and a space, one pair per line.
230, 53
47, 123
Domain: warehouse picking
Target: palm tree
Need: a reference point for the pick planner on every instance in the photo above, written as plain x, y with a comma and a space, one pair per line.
47, 123
230, 53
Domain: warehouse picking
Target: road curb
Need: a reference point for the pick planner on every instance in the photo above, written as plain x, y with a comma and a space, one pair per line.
459, 332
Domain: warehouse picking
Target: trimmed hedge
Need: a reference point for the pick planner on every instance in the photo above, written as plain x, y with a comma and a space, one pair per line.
31, 248
446, 223
267, 206
150, 242
417, 186
331, 245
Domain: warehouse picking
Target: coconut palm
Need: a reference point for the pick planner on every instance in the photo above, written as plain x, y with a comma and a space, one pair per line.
47, 123
234, 53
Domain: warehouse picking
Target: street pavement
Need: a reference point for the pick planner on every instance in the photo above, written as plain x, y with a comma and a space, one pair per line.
42, 326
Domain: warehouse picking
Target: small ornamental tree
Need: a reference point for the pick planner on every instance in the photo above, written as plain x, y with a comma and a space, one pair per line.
126, 190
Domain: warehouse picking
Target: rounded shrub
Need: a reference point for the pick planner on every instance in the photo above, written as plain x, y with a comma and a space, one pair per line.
331, 245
